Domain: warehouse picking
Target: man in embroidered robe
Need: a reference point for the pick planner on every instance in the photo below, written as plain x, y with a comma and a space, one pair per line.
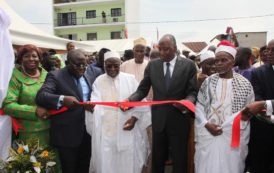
119, 139
221, 97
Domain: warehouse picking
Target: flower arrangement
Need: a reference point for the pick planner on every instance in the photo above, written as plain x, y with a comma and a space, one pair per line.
28, 158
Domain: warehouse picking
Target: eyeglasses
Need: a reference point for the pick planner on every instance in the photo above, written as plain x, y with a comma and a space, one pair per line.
77, 66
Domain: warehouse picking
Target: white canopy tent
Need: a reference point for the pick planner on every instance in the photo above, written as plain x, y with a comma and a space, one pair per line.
23, 32
120, 45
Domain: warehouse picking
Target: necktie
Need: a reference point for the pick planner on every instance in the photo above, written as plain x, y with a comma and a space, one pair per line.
167, 75
79, 87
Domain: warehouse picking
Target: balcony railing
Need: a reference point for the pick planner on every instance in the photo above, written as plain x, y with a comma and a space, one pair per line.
88, 21
68, 1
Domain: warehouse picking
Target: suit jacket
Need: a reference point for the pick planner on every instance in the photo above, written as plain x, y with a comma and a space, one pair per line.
183, 86
263, 83
93, 71
67, 128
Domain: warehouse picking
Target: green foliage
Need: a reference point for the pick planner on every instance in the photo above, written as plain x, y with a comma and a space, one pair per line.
29, 158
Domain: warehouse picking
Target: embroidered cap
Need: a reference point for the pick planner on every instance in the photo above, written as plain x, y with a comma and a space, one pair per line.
140, 41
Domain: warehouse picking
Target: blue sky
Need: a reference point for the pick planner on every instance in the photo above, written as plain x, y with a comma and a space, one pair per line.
178, 10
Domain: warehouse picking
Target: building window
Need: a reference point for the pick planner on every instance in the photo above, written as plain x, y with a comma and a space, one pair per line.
91, 36
91, 14
65, 19
116, 12
70, 36
116, 35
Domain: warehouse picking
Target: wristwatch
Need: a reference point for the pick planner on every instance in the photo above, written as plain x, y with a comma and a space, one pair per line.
265, 105
61, 99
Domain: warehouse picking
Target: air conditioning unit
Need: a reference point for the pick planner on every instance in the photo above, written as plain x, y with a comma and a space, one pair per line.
115, 19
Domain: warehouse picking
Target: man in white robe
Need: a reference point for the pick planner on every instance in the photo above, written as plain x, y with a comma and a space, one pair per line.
119, 139
137, 65
221, 97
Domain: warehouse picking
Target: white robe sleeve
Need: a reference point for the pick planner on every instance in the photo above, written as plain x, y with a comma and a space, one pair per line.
95, 96
200, 114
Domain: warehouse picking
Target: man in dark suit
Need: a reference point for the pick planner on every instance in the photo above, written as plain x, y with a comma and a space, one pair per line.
172, 78
258, 106
261, 144
67, 87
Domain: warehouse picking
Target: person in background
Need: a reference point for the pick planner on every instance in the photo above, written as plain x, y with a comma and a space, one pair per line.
26, 80
254, 55
100, 61
119, 139
50, 62
104, 20
192, 56
54, 54
262, 57
91, 58
212, 48
154, 53
69, 46
137, 65
147, 52
185, 53
207, 65
197, 61
128, 55
243, 62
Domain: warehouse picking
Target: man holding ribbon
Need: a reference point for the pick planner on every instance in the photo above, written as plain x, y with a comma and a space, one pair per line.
172, 78
119, 139
220, 99
68, 87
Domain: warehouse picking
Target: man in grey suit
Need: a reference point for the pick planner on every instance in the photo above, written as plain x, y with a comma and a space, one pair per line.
172, 78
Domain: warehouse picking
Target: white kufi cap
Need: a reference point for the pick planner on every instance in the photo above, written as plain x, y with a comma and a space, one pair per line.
208, 54
111, 54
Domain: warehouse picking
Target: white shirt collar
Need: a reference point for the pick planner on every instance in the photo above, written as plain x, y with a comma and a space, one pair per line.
173, 61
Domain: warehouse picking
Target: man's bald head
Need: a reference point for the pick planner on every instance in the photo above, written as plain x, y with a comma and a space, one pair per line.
271, 42
167, 47
76, 63
270, 52
75, 53
169, 37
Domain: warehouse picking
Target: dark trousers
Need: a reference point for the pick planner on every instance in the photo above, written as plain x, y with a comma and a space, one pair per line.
175, 135
261, 147
76, 159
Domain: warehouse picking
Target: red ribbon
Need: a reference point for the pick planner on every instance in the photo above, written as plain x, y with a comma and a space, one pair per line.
15, 125
188, 104
236, 131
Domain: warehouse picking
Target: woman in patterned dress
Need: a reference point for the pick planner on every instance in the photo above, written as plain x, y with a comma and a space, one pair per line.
26, 80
